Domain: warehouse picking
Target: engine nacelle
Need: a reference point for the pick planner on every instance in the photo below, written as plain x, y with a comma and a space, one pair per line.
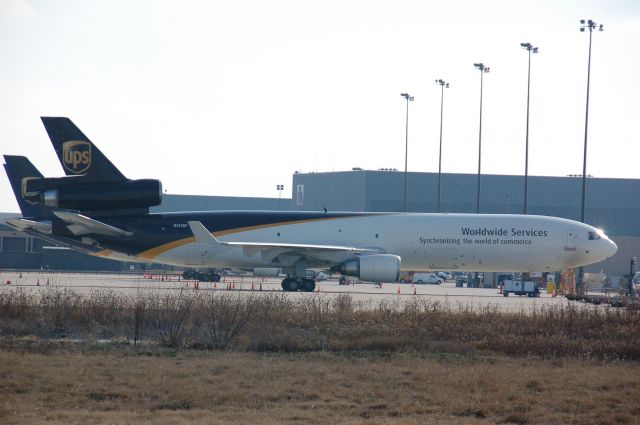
266, 272
69, 193
373, 268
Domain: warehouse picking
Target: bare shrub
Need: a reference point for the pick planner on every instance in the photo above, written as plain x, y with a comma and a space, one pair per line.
16, 312
176, 317
15, 303
343, 305
225, 316
317, 319
59, 310
103, 313
137, 317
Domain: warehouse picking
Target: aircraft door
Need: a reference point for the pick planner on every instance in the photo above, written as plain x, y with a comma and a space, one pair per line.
571, 242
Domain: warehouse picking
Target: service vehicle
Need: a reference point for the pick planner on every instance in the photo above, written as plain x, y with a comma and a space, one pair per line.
520, 287
429, 278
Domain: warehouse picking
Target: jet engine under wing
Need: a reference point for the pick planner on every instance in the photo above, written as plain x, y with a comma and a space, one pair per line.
202, 235
82, 225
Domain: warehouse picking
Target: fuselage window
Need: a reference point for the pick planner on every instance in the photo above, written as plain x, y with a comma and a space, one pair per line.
593, 236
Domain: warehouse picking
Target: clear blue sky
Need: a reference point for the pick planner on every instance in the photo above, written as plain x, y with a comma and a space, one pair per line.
230, 98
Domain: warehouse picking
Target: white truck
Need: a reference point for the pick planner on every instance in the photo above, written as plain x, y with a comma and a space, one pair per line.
429, 278
520, 287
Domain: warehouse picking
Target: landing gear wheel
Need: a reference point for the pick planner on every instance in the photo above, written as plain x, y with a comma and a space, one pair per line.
308, 285
290, 284
293, 285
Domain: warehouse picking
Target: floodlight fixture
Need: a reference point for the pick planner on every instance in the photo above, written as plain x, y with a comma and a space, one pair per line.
481, 67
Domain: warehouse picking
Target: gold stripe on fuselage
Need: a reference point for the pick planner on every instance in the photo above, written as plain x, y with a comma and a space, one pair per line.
150, 254
103, 253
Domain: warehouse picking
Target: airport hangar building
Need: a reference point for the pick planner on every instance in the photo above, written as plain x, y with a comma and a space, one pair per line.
611, 204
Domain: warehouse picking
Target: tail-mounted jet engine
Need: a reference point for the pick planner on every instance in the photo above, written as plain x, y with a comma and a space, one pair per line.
75, 194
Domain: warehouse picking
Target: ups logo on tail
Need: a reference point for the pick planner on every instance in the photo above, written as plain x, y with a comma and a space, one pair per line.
76, 156
30, 197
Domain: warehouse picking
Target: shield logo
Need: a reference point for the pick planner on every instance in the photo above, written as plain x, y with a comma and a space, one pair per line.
76, 156
30, 197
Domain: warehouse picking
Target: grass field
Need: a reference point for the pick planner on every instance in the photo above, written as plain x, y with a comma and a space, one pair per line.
89, 384
219, 358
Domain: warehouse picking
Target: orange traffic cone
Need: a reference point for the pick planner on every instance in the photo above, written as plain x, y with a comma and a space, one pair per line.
317, 289
215, 285
398, 289
414, 291
38, 282
8, 282
253, 288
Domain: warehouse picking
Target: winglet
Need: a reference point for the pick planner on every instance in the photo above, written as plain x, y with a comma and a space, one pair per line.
202, 234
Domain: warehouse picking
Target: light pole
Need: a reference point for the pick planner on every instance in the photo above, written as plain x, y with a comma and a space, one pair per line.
409, 98
590, 25
530, 49
443, 84
483, 69
280, 188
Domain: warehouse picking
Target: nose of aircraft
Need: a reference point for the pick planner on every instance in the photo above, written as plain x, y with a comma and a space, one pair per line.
611, 248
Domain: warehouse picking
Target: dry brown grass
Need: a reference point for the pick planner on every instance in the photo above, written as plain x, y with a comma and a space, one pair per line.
57, 382
275, 323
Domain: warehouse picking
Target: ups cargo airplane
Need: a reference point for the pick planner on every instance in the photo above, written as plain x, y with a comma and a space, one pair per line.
97, 210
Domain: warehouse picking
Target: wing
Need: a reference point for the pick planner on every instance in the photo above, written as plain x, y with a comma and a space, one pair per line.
322, 253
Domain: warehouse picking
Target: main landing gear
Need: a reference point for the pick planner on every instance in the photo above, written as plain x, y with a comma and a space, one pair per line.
293, 284
202, 277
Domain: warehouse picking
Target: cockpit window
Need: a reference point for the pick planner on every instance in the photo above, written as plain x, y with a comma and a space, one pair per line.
593, 236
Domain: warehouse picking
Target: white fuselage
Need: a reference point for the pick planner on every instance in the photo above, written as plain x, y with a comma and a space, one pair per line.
465, 242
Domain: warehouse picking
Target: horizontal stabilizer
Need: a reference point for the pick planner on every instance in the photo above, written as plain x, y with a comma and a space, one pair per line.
24, 224
83, 225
